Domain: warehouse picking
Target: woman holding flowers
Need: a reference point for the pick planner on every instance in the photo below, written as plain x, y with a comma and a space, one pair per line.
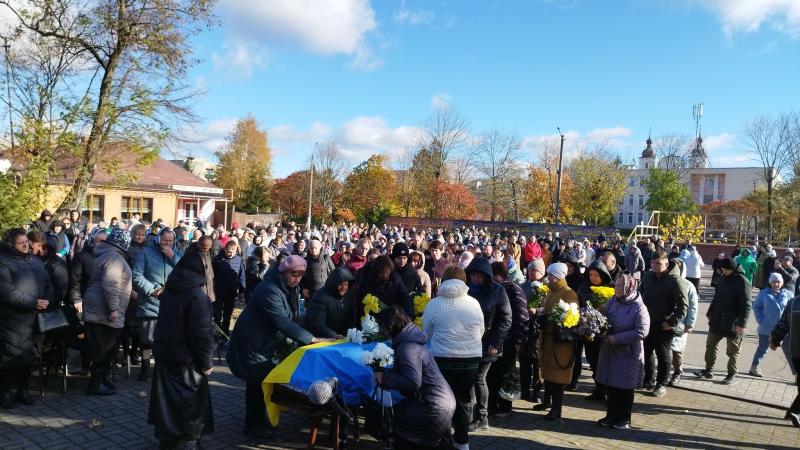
557, 358
621, 363
595, 291
535, 289
422, 420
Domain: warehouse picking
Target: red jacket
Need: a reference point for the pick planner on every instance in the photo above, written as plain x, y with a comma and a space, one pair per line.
531, 251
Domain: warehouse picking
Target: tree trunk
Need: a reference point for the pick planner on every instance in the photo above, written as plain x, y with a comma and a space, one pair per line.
770, 189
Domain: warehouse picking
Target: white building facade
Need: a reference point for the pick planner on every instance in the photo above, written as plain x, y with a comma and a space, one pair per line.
706, 184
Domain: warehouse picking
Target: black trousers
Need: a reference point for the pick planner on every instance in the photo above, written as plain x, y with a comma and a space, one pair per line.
499, 373
223, 310
795, 408
695, 282
657, 346
555, 393
481, 391
529, 376
619, 405
102, 342
460, 375
578, 366
18, 376
255, 409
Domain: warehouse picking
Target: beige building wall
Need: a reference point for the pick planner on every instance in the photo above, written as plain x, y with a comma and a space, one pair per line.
164, 203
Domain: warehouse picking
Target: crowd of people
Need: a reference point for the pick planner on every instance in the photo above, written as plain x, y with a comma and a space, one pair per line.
164, 298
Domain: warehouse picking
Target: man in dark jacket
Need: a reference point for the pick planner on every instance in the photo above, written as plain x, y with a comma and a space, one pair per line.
610, 261
727, 318
497, 320
329, 313
379, 278
406, 272
43, 222
667, 304
787, 271
229, 284
788, 327
266, 321
501, 370
319, 267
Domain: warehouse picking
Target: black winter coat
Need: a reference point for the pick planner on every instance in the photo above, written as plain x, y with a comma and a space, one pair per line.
410, 277
81, 268
424, 416
183, 333
317, 272
584, 292
520, 319
23, 280
665, 298
267, 319
731, 305
328, 313
59, 276
497, 317
393, 292
255, 273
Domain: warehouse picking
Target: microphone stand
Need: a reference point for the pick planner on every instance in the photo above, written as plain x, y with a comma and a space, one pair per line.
344, 415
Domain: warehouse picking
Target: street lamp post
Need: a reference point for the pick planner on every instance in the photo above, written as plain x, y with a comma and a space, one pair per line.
560, 167
311, 188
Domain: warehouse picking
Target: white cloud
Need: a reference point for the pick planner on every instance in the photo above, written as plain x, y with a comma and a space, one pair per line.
239, 59
406, 16
600, 135
721, 141
749, 16
732, 160
365, 135
204, 139
324, 27
319, 131
441, 101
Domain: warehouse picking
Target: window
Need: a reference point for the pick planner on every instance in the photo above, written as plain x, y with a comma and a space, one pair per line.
631, 181
630, 200
630, 218
646, 165
639, 218
619, 217
708, 199
133, 205
641, 181
641, 200
93, 208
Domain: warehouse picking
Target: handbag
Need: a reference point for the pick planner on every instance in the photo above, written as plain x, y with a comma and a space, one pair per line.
147, 332
562, 335
52, 320
379, 419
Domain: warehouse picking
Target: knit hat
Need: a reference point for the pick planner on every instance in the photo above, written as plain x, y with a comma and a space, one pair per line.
292, 263
775, 276
558, 270
119, 238
537, 265
729, 264
399, 249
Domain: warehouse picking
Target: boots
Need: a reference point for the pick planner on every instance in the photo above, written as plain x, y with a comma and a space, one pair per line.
536, 392
144, 372
96, 386
482, 423
107, 379
23, 394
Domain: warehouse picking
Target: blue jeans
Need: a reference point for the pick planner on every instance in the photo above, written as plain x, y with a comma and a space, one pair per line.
763, 346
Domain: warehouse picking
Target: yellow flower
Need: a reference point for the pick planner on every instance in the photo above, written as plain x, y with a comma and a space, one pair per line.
420, 302
571, 318
603, 291
371, 304
544, 289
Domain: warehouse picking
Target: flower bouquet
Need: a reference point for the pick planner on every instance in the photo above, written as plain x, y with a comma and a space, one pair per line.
600, 295
565, 316
355, 336
370, 330
379, 358
540, 291
372, 305
592, 324
420, 302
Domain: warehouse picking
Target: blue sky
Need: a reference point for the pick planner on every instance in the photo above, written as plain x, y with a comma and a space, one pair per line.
366, 73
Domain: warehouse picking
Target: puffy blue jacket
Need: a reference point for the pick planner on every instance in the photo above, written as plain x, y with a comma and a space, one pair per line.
768, 308
150, 272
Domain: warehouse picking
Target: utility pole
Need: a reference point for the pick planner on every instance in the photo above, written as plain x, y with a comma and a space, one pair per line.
311, 188
560, 167
7, 49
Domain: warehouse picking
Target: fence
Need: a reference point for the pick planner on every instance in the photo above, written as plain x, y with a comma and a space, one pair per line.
525, 228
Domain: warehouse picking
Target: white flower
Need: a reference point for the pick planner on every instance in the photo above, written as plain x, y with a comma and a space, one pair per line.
369, 325
355, 336
383, 355
366, 357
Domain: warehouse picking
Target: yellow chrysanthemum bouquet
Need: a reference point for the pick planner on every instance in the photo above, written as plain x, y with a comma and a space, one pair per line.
565, 316
600, 295
420, 302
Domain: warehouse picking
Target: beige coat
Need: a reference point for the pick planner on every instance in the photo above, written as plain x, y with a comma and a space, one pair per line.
557, 358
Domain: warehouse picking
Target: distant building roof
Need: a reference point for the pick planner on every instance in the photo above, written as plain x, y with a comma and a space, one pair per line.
648, 151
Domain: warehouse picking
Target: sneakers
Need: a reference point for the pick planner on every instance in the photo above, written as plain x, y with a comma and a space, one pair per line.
705, 374
621, 426
756, 372
479, 424
649, 386
728, 380
675, 380
659, 391
795, 418
605, 422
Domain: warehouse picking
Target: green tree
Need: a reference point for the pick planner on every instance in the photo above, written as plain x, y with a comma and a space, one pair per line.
599, 185
666, 192
244, 165
124, 81
22, 194
370, 190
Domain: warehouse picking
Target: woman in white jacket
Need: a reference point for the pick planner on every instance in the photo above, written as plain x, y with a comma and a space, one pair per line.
453, 322
694, 266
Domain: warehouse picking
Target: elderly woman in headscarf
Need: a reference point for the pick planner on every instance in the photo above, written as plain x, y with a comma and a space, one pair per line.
621, 363
180, 400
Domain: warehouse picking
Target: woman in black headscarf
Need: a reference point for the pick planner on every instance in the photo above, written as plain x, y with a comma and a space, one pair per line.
180, 400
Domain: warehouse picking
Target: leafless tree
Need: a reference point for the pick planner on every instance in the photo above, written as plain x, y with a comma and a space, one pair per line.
494, 155
401, 163
673, 150
462, 168
330, 167
772, 141
444, 133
